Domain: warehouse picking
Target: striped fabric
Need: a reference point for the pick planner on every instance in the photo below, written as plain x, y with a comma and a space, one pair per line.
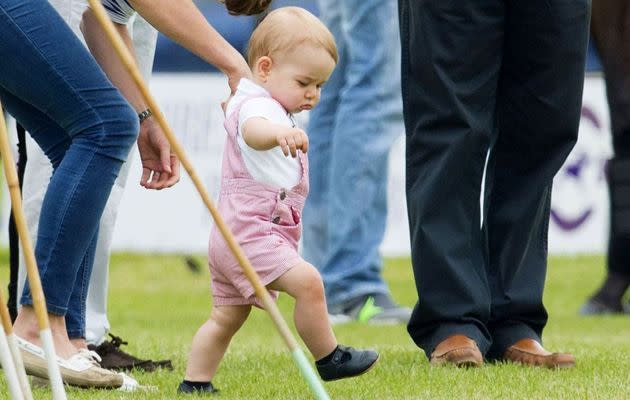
264, 219
120, 11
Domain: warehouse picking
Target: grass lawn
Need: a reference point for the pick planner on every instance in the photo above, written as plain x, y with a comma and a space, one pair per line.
157, 303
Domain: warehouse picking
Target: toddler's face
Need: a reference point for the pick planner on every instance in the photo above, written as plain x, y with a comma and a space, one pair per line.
295, 79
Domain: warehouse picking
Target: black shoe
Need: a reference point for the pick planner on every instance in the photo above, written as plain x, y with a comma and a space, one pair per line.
597, 307
346, 363
371, 309
185, 388
113, 358
609, 298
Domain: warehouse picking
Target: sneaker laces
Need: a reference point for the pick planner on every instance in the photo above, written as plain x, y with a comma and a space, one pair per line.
117, 341
90, 356
113, 347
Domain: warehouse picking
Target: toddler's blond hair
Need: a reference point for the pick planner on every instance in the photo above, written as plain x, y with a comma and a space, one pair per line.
286, 28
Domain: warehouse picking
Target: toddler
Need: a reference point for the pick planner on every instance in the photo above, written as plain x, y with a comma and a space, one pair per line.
263, 188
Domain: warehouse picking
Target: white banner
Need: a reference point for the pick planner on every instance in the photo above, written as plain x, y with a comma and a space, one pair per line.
579, 207
175, 220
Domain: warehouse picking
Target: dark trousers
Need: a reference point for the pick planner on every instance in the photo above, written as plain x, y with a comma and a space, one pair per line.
611, 34
498, 75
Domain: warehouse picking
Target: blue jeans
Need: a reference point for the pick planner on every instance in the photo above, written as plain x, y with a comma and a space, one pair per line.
350, 134
55, 89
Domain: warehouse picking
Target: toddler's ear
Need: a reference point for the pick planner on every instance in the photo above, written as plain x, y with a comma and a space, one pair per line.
263, 67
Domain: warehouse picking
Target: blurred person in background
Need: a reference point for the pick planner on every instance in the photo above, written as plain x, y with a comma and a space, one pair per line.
610, 26
351, 133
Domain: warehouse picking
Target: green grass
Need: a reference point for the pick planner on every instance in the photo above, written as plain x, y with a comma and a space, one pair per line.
157, 304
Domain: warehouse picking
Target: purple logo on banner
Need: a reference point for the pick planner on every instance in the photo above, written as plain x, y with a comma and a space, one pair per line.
583, 168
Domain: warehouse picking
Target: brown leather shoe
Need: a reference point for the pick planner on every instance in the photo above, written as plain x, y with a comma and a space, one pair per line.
458, 350
530, 352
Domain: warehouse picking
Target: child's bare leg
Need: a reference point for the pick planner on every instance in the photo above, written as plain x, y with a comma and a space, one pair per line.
305, 285
212, 339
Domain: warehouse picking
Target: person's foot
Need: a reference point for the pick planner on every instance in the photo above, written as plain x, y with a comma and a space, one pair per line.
347, 362
594, 306
114, 358
530, 352
608, 299
196, 387
79, 370
457, 350
26, 327
129, 384
372, 309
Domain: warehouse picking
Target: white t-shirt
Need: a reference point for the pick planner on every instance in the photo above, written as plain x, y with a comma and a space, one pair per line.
267, 166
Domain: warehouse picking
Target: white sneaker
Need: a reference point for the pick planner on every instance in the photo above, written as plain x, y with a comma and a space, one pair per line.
79, 370
129, 384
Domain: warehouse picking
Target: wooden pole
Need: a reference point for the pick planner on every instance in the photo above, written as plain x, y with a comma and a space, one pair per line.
13, 348
39, 303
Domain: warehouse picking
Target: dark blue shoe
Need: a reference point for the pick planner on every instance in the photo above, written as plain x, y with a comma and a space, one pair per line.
346, 363
185, 388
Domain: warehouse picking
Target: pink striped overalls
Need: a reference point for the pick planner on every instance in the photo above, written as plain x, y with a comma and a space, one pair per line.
264, 219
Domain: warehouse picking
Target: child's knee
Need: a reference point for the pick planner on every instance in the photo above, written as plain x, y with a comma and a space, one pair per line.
312, 284
229, 321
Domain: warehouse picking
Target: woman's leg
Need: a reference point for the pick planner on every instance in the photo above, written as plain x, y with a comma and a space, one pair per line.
76, 316
212, 339
305, 285
25, 324
46, 74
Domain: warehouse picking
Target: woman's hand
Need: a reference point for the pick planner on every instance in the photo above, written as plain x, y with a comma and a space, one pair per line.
160, 168
238, 71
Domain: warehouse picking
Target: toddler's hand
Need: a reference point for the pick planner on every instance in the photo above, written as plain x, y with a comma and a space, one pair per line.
291, 140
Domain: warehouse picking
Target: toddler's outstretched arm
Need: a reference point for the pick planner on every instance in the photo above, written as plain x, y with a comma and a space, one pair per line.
262, 134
